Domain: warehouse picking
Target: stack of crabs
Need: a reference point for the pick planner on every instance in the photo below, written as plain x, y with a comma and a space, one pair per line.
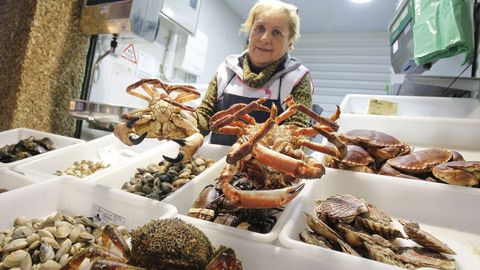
269, 155
373, 151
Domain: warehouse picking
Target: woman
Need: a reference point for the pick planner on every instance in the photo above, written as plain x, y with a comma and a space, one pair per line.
265, 69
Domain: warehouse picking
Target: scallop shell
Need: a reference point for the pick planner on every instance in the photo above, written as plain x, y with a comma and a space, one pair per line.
387, 232
423, 238
342, 208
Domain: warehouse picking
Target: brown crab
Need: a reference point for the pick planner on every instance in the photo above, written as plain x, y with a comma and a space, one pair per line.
164, 118
357, 159
418, 163
379, 144
464, 173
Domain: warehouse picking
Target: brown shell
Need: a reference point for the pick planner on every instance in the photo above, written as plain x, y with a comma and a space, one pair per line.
371, 138
342, 208
382, 254
419, 257
377, 215
387, 232
357, 156
420, 161
423, 238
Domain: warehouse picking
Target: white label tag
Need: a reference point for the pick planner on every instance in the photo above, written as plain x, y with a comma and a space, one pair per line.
108, 154
104, 216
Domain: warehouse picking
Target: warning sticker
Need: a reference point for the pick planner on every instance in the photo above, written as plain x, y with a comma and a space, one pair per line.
129, 53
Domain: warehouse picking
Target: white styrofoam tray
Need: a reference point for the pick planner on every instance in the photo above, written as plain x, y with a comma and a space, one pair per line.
183, 200
11, 180
255, 255
416, 106
118, 176
448, 214
108, 149
69, 196
13, 136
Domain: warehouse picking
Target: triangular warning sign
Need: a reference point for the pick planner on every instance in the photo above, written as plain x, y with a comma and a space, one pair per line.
129, 53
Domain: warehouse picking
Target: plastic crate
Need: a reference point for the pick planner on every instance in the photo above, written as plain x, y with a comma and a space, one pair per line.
13, 136
69, 196
442, 210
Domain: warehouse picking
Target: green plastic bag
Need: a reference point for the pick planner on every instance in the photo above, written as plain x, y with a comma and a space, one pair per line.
441, 29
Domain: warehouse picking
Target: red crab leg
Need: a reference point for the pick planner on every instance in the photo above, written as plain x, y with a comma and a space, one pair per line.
132, 87
229, 130
238, 153
257, 198
252, 106
109, 233
105, 264
293, 107
310, 131
91, 252
150, 90
184, 97
340, 150
286, 164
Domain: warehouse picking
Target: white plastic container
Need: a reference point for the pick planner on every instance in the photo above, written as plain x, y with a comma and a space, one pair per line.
447, 213
11, 180
13, 136
121, 174
255, 255
427, 132
416, 106
69, 196
107, 149
184, 198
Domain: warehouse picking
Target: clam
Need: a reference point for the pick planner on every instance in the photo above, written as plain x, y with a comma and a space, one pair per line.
14, 259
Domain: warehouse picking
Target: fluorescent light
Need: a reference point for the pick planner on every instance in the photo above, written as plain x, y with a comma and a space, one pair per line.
360, 1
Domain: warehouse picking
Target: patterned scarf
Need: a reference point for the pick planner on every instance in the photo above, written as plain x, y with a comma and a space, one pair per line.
255, 80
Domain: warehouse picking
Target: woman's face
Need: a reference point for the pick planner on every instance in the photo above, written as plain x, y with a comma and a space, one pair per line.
268, 38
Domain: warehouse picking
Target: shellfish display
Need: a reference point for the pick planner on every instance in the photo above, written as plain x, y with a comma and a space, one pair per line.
356, 227
25, 148
158, 180
64, 242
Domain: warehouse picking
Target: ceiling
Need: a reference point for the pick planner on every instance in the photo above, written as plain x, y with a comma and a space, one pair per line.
333, 15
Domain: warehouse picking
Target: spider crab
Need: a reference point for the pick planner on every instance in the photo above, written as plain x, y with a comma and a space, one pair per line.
159, 244
165, 117
270, 155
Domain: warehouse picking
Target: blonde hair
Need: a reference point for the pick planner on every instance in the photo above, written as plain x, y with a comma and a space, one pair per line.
261, 6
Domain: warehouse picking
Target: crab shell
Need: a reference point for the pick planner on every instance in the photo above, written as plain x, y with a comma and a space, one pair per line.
420, 161
464, 173
379, 144
357, 159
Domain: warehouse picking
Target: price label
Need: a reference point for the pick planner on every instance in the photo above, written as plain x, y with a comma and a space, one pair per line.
104, 216
382, 107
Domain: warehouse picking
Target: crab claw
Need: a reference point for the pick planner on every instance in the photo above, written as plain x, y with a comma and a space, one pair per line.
188, 147
123, 131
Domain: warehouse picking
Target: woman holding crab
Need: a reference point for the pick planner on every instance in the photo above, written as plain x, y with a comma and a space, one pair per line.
265, 69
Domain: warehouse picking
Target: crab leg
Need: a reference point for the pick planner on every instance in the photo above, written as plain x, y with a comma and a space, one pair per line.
110, 234
105, 264
340, 149
188, 147
293, 107
258, 198
92, 252
238, 153
252, 106
286, 164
